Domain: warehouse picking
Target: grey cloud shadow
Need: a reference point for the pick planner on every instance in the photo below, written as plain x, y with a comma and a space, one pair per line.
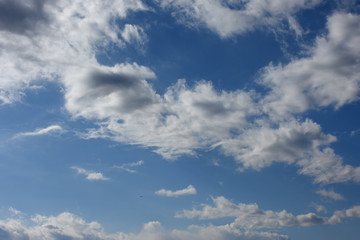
16, 17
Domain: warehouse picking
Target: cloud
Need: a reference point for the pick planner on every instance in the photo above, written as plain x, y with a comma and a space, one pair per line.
69, 226
127, 166
250, 216
90, 175
347, 213
41, 40
14, 211
329, 76
330, 194
64, 37
42, 131
189, 190
134, 34
227, 18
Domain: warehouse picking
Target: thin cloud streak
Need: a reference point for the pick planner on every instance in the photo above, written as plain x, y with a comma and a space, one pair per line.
42, 131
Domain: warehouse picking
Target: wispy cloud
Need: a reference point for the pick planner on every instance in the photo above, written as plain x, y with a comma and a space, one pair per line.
14, 211
90, 175
330, 194
42, 131
127, 166
190, 190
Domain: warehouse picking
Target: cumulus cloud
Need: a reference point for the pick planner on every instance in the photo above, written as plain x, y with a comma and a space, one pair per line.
40, 39
250, 216
62, 39
189, 190
90, 175
185, 119
347, 213
250, 219
69, 226
330, 194
42, 131
329, 76
228, 18
128, 166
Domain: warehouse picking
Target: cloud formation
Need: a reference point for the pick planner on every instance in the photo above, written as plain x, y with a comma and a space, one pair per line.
189, 190
69, 226
41, 40
90, 175
330, 194
42, 131
250, 216
185, 119
249, 220
227, 18
127, 166
59, 40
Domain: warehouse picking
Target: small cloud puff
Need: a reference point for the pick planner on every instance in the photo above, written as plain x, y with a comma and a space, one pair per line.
190, 190
90, 175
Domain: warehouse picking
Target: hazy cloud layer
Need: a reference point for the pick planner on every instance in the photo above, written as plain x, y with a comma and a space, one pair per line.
189, 190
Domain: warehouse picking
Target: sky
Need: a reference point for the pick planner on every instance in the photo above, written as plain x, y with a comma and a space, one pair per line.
179, 119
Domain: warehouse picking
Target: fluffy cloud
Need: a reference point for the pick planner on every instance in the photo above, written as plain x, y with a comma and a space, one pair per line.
42, 131
347, 213
228, 17
185, 119
72, 227
330, 76
90, 175
41, 39
59, 40
250, 216
330, 194
189, 190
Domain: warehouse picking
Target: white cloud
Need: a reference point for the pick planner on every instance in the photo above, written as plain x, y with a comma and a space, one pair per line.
42, 131
127, 166
256, 130
329, 76
69, 226
227, 18
41, 40
347, 213
330, 194
327, 167
250, 216
189, 190
90, 175
133, 33
14, 211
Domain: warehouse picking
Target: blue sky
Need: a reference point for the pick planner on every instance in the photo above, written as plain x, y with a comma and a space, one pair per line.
179, 119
